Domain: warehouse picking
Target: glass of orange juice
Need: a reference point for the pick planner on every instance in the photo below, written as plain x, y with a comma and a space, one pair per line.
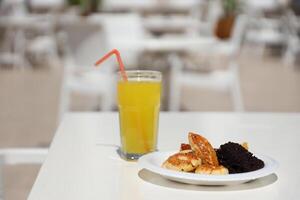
139, 105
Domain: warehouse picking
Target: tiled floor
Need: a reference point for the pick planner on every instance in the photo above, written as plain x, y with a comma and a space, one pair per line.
266, 86
18, 181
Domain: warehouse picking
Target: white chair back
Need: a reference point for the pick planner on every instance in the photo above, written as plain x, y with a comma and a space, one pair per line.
221, 80
218, 80
214, 12
293, 41
84, 46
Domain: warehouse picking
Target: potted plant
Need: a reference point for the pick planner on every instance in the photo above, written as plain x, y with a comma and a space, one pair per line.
226, 21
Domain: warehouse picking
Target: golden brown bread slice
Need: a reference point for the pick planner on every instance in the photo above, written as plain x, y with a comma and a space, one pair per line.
203, 149
211, 170
185, 161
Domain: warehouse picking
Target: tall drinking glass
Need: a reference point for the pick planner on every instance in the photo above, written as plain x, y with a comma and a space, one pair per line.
139, 105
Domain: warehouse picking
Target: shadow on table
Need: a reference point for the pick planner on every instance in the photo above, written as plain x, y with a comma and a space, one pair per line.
156, 179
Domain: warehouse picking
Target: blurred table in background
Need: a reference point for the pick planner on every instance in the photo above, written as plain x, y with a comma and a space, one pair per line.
169, 23
262, 5
150, 5
177, 44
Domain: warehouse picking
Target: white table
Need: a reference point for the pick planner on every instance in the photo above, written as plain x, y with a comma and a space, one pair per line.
263, 5
82, 165
178, 44
168, 24
150, 5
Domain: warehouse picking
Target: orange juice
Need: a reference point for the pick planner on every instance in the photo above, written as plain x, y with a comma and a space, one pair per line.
139, 104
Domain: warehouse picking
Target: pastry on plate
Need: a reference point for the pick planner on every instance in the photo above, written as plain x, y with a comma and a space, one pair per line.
185, 161
211, 170
203, 149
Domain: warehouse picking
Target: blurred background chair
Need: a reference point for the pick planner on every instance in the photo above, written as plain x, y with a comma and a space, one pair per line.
83, 46
266, 26
207, 18
293, 43
13, 7
124, 32
24, 33
226, 79
266, 32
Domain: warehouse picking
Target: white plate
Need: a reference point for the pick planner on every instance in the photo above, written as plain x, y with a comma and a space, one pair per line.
153, 162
